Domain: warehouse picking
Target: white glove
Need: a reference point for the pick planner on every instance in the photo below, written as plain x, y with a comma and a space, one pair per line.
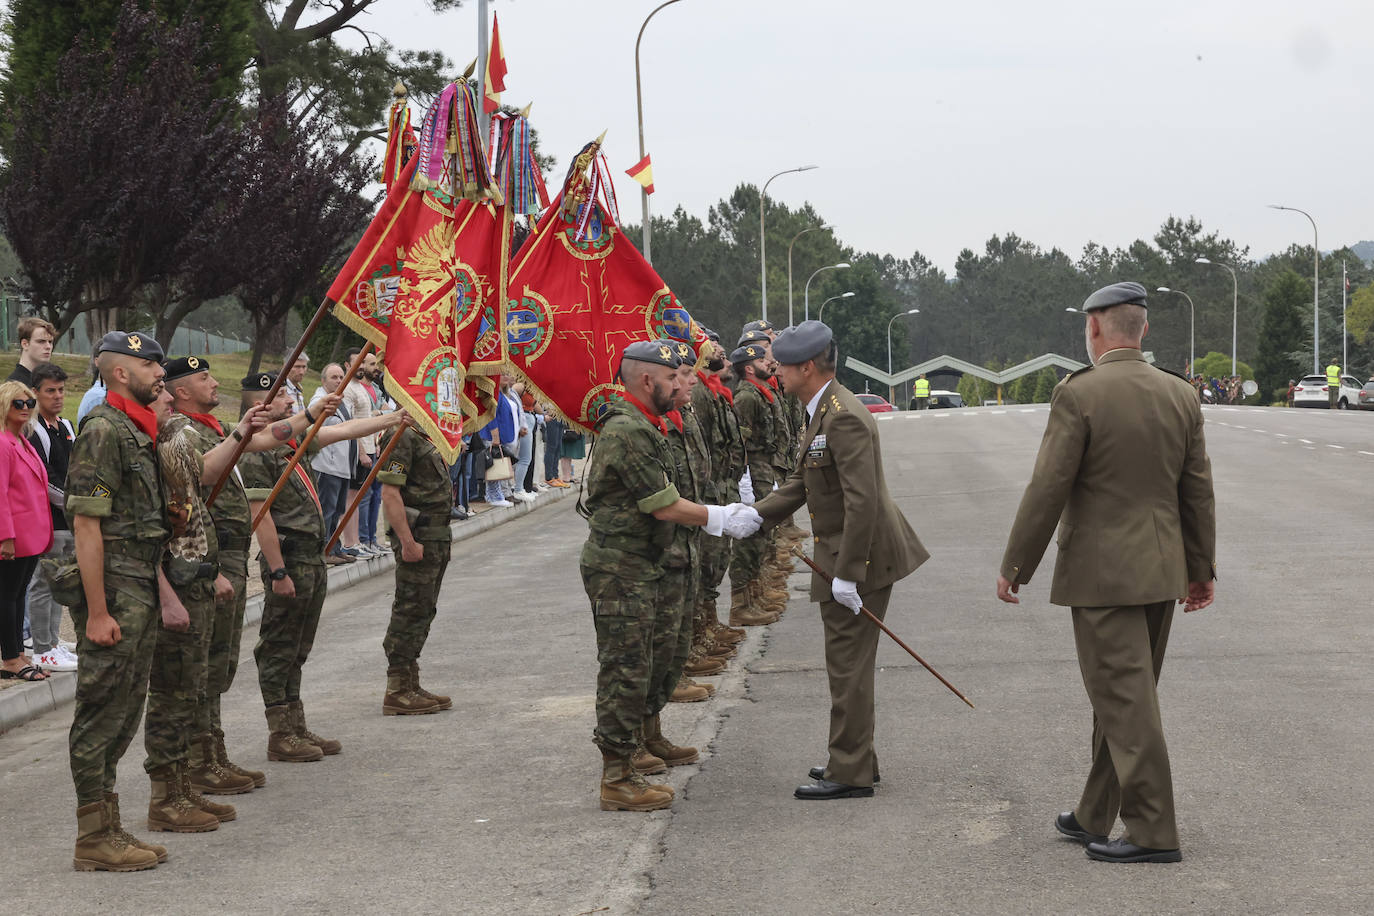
741, 521
846, 593
775, 485
746, 488
715, 520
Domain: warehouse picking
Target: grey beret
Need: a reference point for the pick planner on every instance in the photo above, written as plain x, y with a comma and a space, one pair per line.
806, 341
131, 343
658, 352
762, 324
1127, 293
748, 352
753, 335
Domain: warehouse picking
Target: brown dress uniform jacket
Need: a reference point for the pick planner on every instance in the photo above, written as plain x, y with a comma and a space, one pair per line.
1123, 471
860, 534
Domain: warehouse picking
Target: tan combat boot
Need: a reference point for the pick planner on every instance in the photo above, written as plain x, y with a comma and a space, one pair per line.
222, 757
689, 691
624, 789
702, 665
112, 804
220, 812
673, 755
443, 701
328, 746
171, 809
728, 635
207, 775
99, 848
282, 741
770, 602
744, 612
401, 699
645, 763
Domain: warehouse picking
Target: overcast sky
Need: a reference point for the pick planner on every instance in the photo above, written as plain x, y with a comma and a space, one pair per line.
939, 124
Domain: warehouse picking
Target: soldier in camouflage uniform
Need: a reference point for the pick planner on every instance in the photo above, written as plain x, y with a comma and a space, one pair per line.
417, 497
195, 393
291, 562
749, 605
633, 509
114, 499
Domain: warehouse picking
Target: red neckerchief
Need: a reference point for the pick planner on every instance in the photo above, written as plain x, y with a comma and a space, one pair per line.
142, 417
773, 383
767, 392
675, 418
206, 419
305, 479
717, 387
656, 420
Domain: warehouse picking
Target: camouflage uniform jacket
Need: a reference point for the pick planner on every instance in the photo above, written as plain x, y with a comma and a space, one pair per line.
691, 475
416, 466
229, 512
296, 510
758, 427
627, 479
114, 476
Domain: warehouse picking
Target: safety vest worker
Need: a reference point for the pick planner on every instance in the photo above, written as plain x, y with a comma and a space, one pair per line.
1333, 383
920, 392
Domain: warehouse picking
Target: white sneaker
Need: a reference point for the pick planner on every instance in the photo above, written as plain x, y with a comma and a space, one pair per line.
52, 661
382, 548
541, 487
523, 497
502, 503
69, 646
66, 654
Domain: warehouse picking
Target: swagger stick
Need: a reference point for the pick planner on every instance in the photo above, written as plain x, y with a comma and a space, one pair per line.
895, 637
308, 333
307, 438
362, 492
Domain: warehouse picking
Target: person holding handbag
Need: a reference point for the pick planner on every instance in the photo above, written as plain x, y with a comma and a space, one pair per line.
499, 437
25, 525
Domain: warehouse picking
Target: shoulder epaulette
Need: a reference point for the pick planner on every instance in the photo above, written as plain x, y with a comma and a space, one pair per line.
1075, 373
1172, 372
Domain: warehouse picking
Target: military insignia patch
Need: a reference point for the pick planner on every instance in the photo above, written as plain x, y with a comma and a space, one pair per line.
396, 467
193, 362
665, 352
135, 342
101, 491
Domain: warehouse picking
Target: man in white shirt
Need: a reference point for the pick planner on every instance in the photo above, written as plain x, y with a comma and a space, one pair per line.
294, 377
334, 464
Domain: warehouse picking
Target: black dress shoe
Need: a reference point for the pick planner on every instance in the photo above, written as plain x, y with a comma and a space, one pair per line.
823, 789
819, 773
1126, 851
1068, 825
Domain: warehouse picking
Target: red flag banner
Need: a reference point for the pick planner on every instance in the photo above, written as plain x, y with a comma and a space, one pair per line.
419, 285
495, 76
576, 299
643, 172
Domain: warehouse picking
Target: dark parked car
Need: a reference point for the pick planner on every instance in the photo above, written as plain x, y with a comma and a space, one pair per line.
940, 398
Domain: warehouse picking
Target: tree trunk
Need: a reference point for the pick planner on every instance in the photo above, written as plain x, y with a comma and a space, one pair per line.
169, 319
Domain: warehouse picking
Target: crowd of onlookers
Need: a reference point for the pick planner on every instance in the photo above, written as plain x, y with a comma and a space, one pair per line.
36, 444
1218, 390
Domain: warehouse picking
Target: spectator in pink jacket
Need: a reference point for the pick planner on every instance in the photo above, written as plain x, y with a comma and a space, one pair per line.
25, 525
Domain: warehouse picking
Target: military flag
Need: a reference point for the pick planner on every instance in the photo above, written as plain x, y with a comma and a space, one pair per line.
643, 172
495, 77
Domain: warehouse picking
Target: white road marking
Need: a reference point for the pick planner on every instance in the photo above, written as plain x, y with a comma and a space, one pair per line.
1305, 441
1329, 445
996, 411
1259, 430
1370, 454
1282, 435
1238, 426
1028, 410
941, 416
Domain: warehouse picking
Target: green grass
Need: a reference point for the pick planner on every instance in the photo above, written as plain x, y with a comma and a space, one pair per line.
228, 368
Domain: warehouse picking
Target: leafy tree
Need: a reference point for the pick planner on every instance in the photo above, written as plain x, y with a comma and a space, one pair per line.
1283, 345
1045, 380
1218, 365
101, 206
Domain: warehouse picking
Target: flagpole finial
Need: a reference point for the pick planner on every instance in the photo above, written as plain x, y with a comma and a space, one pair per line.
525, 112
601, 139
399, 90
472, 68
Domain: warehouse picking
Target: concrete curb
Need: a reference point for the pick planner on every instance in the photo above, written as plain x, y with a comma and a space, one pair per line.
19, 705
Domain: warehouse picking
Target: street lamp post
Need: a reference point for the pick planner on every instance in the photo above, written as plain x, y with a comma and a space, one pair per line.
763, 239
820, 313
889, 343
806, 290
1316, 263
1192, 324
789, 266
1235, 298
639, 106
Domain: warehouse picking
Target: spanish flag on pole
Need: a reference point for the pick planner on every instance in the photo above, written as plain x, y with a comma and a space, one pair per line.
496, 71
643, 172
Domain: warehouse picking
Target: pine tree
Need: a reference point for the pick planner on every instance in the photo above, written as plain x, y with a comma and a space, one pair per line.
1282, 341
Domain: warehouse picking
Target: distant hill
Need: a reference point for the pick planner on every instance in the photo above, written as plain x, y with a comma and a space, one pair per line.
1365, 250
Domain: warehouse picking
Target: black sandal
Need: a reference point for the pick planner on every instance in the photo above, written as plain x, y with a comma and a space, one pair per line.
26, 673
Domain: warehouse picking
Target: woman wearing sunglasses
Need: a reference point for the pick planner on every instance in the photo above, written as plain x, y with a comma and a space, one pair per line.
25, 526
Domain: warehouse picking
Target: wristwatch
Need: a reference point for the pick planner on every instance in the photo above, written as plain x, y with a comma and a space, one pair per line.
238, 436
277, 575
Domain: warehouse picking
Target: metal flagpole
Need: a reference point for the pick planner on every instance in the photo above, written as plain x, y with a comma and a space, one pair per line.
482, 50
1345, 289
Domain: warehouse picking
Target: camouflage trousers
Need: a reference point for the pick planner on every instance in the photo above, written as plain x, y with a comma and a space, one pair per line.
677, 594
628, 616
416, 601
746, 559
224, 639
111, 682
287, 632
177, 679
716, 554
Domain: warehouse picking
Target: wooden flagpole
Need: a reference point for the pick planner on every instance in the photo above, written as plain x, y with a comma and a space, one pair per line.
308, 437
308, 333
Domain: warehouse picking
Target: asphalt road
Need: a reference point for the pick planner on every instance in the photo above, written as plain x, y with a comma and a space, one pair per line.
1268, 701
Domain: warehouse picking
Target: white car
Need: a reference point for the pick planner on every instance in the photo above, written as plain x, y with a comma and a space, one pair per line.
1312, 391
